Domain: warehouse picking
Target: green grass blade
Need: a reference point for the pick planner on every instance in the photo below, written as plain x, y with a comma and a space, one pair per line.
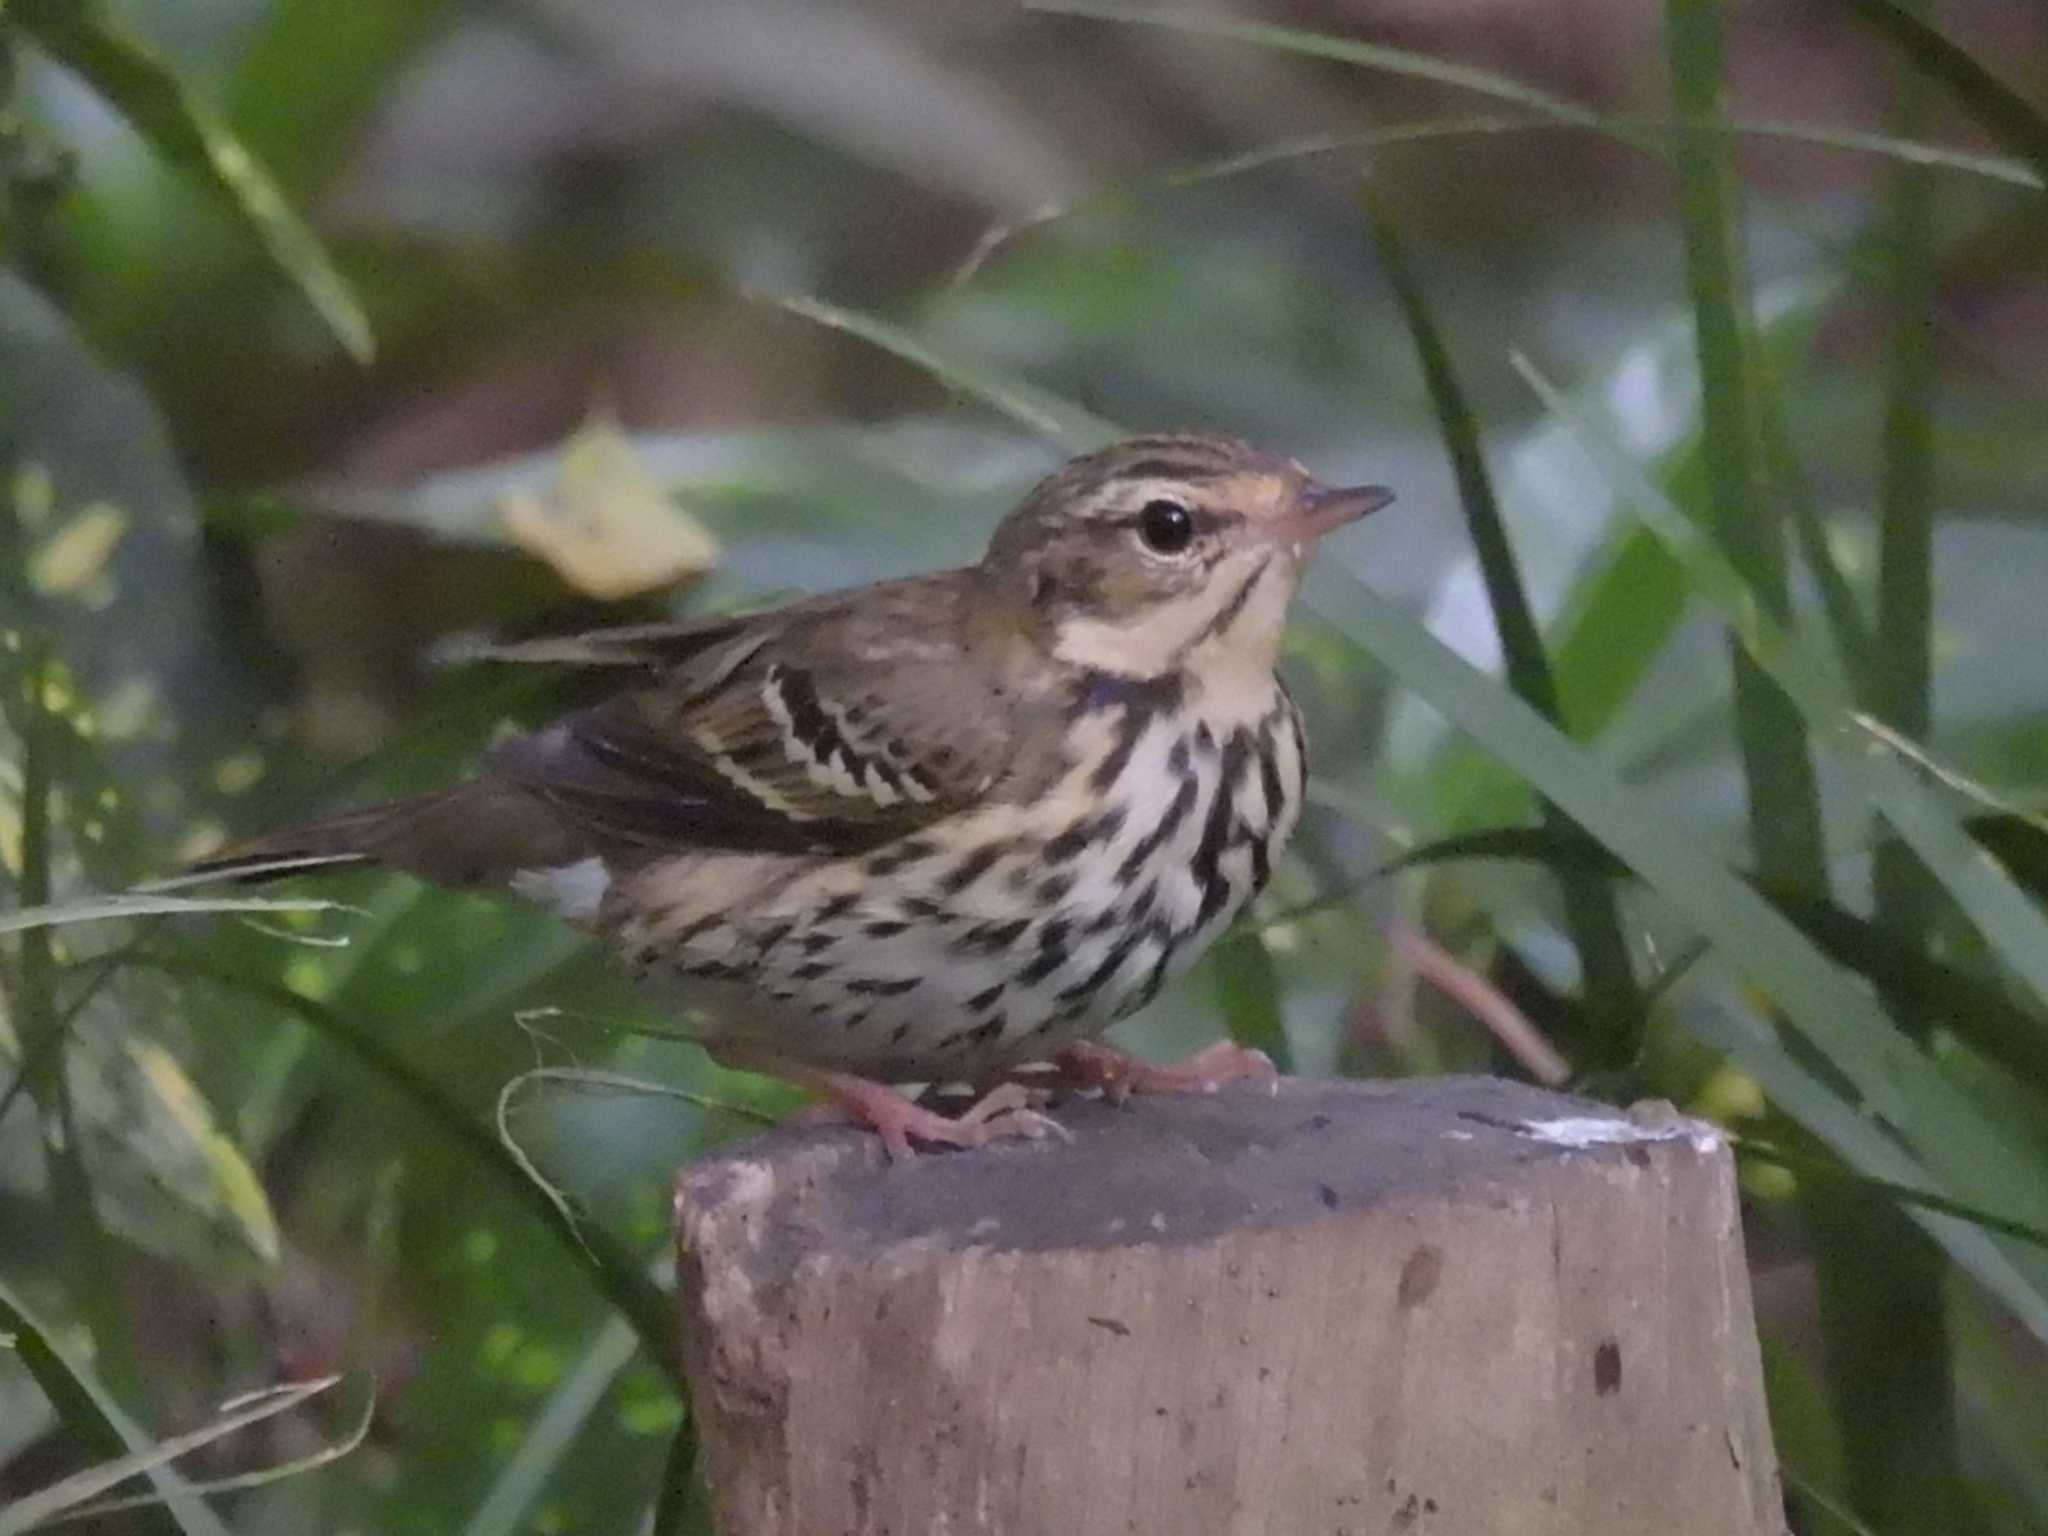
1528, 667
1902, 679
313, 72
1887, 146
144, 90
1612, 1000
2015, 929
2012, 1272
81, 1249
1998, 109
2017, 842
91, 1412
102, 909
1847, 625
1971, 1160
69, 1497
1823, 1169
1880, 1285
1784, 797
1639, 131
1615, 623
553, 1431
1980, 1014
1418, 66
280, 1398
1558, 111
678, 1510
1035, 409
1839, 1518
617, 1275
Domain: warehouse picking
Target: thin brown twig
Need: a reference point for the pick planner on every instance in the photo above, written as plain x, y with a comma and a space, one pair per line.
1439, 968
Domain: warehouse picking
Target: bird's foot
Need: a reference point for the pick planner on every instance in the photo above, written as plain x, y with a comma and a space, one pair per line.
1087, 1064
1001, 1112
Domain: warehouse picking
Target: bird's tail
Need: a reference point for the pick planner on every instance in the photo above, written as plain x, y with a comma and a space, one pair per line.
346, 840
480, 833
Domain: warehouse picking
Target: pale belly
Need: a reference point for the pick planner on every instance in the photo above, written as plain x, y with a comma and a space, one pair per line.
995, 938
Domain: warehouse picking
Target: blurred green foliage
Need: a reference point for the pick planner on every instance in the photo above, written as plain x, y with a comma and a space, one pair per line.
1750, 817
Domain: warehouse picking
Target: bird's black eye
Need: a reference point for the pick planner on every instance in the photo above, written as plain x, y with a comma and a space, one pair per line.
1166, 527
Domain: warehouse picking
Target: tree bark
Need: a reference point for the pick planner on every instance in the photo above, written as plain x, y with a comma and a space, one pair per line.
1459, 1306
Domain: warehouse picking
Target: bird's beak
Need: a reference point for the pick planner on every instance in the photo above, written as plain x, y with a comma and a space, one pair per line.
1326, 507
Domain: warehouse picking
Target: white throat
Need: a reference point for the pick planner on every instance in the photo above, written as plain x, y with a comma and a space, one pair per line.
1224, 644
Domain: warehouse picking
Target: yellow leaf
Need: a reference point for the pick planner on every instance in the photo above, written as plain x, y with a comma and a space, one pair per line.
608, 528
76, 555
230, 1178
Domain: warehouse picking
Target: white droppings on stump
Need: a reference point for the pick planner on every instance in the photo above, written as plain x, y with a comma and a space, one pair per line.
1459, 1306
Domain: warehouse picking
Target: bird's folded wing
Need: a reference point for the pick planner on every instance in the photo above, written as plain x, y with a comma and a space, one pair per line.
752, 743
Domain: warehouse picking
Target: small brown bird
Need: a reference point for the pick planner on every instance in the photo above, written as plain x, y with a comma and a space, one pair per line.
930, 830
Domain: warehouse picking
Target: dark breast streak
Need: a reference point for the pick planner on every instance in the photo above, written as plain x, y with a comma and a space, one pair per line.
964, 951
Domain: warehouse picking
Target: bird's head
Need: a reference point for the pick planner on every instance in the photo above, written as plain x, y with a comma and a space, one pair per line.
1170, 553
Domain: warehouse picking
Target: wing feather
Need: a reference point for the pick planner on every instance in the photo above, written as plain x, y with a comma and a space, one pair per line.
770, 734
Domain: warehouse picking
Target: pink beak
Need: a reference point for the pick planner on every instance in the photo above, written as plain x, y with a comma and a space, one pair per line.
1326, 507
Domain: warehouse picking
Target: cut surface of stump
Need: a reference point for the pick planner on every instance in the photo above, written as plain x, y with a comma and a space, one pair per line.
1456, 1306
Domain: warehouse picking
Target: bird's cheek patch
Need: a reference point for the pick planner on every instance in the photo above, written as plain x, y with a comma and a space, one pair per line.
1072, 583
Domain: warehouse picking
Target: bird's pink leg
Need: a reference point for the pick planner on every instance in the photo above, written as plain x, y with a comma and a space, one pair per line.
1003, 1111
1089, 1064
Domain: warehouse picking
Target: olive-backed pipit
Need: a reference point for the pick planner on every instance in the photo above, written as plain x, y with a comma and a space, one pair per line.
929, 830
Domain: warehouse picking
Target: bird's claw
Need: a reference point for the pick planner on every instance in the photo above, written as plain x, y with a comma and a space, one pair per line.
1118, 1074
1003, 1112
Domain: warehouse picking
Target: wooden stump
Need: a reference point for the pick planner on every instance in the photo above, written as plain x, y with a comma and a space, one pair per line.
1458, 1306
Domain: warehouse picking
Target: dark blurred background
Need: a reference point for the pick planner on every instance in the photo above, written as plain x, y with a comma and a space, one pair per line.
587, 236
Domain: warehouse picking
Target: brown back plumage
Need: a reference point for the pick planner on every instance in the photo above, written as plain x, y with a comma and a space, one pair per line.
836, 725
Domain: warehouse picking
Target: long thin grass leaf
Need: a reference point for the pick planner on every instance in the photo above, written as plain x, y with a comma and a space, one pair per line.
553, 1431
1905, 1194
89, 1411
1038, 410
1901, 679
1404, 61
617, 1276
1997, 108
1615, 622
677, 1508
1639, 131
143, 89
1612, 1000
1895, 1082
1807, 1492
67, 1495
1847, 625
2013, 926
2010, 1271
102, 909
1647, 132
1889, 1362
1980, 1014
1784, 796
80, 1247
295, 1466
313, 72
